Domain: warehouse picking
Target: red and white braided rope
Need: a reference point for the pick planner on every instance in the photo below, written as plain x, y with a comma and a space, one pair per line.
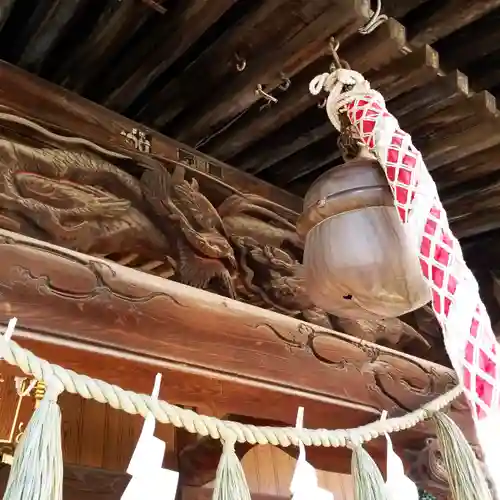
468, 336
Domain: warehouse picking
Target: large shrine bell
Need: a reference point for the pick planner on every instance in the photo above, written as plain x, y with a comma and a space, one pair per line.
358, 262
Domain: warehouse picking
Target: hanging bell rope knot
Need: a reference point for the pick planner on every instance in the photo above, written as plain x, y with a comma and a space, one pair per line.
343, 86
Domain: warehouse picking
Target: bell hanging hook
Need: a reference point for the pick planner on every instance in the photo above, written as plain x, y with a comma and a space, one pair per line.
375, 21
268, 97
241, 63
337, 62
285, 84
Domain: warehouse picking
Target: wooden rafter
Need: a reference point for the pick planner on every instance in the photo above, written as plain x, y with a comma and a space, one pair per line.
239, 93
173, 36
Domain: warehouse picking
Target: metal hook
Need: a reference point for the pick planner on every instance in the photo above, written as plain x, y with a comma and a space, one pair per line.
241, 63
375, 21
269, 98
285, 85
337, 62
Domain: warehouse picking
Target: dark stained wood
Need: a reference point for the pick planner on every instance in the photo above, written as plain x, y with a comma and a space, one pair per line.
82, 483
417, 68
450, 17
467, 169
461, 115
399, 8
363, 53
69, 112
118, 22
5, 10
470, 43
442, 92
244, 39
47, 33
279, 146
485, 72
173, 37
218, 343
481, 131
239, 93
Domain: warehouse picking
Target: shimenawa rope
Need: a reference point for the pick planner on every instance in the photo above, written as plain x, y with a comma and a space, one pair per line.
133, 403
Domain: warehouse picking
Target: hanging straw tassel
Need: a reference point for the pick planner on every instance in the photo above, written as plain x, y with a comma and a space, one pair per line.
368, 481
37, 470
230, 481
465, 477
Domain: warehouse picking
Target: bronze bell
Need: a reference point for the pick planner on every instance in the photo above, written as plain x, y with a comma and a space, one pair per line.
358, 262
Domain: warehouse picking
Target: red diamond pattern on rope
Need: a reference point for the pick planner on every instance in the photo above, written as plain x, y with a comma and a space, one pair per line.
439, 250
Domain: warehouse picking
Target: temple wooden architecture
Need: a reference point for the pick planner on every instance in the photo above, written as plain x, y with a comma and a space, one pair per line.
153, 160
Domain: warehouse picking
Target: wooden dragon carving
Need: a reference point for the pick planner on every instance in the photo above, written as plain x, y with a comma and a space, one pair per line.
75, 194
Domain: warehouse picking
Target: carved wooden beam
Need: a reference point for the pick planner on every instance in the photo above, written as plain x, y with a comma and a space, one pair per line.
63, 110
68, 303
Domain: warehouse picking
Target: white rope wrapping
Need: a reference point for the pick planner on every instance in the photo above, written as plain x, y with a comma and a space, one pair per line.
468, 336
456, 323
133, 403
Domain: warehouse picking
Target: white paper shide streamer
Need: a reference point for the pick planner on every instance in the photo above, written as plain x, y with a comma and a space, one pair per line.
304, 485
149, 480
399, 485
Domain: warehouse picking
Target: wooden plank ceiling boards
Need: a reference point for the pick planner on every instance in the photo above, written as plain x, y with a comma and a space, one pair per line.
194, 73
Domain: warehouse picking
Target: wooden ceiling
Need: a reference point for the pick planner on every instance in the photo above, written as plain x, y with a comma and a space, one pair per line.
191, 69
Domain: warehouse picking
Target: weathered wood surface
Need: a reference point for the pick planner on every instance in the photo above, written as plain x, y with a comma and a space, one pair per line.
362, 53
451, 17
340, 17
68, 112
80, 304
81, 483
157, 79
183, 26
157, 220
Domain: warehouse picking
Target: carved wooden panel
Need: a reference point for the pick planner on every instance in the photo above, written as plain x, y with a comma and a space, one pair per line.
151, 214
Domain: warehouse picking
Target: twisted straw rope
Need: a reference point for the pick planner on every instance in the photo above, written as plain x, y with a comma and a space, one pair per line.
225, 430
